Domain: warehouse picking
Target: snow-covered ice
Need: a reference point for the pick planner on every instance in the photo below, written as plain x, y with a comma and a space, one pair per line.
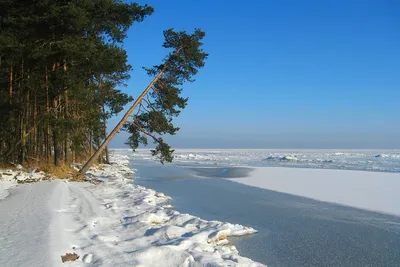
377, 191
387, 160
366, 179
114, 223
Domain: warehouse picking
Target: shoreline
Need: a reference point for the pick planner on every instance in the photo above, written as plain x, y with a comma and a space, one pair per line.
200, 241
118, 222
292, 229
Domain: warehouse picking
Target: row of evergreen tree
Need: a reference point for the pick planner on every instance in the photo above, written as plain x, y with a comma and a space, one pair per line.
61, 63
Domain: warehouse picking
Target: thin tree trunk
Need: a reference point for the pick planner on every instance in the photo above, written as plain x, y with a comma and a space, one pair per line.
107, 159
35, 135
66, 140
98, 145
11, 85
56, 150
47, 142
107, 156
105, 135
22, 141
90, 142
55, 135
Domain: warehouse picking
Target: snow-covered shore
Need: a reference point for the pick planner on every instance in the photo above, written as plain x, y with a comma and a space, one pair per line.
10, 178
376, 191
113, 223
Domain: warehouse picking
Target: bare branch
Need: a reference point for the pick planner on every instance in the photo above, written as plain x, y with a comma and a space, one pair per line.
155, 91
149, 104
139, 109
143, 131
144, 108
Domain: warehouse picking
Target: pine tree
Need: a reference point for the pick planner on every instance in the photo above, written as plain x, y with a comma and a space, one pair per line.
61, 64
60, 67
161, 100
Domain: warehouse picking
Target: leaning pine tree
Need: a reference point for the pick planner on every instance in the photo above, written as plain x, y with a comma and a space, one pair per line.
161, 100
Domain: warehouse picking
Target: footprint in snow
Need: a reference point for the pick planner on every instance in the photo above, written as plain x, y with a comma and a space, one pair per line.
87, 258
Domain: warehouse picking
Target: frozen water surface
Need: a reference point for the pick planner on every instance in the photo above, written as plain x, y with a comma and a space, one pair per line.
293, 231
348, 159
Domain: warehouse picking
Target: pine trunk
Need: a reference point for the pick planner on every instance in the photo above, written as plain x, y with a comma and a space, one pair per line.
100, 149
11, 85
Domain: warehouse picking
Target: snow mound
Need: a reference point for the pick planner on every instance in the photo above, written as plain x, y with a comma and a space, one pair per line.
190, 157
393, 156
281, 158
120, 223
164, 256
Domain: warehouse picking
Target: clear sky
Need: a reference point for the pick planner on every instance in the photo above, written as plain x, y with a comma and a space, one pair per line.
282, 73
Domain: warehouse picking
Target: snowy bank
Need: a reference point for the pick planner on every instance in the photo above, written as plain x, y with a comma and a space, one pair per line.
10, 178
136, 226
114, 223
375, 191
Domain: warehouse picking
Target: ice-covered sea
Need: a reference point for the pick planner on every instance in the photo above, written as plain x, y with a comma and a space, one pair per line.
318, 212
368, 160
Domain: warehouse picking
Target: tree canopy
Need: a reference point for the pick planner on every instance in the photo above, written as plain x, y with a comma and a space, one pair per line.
155, 115
61, 67
61, 63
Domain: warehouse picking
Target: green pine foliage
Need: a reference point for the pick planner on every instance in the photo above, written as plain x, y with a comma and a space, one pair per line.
61, 64
164, 102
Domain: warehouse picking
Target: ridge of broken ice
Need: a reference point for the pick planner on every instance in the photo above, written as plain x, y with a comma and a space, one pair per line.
383, 160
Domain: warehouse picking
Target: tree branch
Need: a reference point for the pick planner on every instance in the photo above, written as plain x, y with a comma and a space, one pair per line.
140, 106
143, 131
149, 104
144, 107
162, 83
155, 91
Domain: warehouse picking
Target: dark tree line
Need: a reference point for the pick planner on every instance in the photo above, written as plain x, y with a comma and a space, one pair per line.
61, 63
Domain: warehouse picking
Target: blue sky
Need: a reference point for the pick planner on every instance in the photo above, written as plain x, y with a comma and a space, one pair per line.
282, 73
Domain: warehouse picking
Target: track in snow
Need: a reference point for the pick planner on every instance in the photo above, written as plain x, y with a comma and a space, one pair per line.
25, 221
39, 222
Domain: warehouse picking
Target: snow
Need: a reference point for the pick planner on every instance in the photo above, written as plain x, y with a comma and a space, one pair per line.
385, 160
377, 191
394, 156
10, 178
282, 158
28, 225
113, 223
119, 223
